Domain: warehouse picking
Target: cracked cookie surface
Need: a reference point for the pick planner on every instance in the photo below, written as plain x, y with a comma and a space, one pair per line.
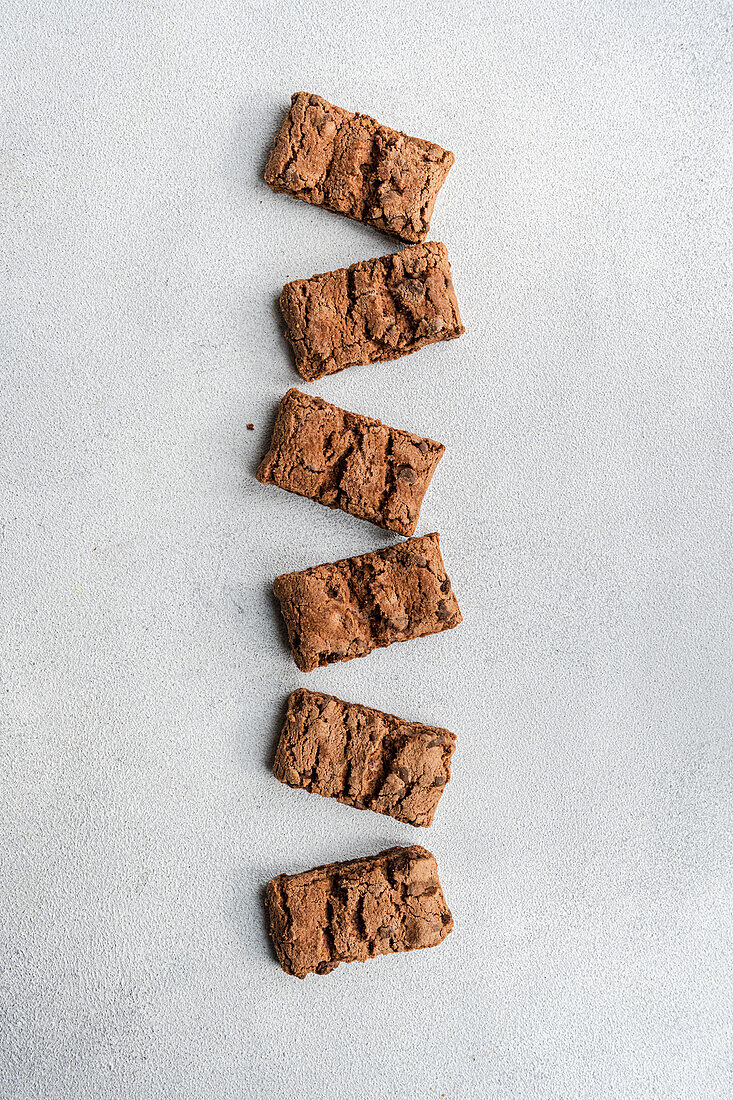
350, 912
351, 164
363, 757
349, 461
345, 609
372, 312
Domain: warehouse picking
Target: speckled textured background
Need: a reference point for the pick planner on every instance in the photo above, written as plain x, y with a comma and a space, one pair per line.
584, 843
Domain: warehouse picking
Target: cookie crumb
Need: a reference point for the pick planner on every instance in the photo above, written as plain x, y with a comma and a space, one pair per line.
250, 427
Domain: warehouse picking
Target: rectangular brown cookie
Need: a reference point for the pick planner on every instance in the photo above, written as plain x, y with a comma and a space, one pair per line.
363, 757
371, 312
345, 460
351, 164
350, 912
345, 609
